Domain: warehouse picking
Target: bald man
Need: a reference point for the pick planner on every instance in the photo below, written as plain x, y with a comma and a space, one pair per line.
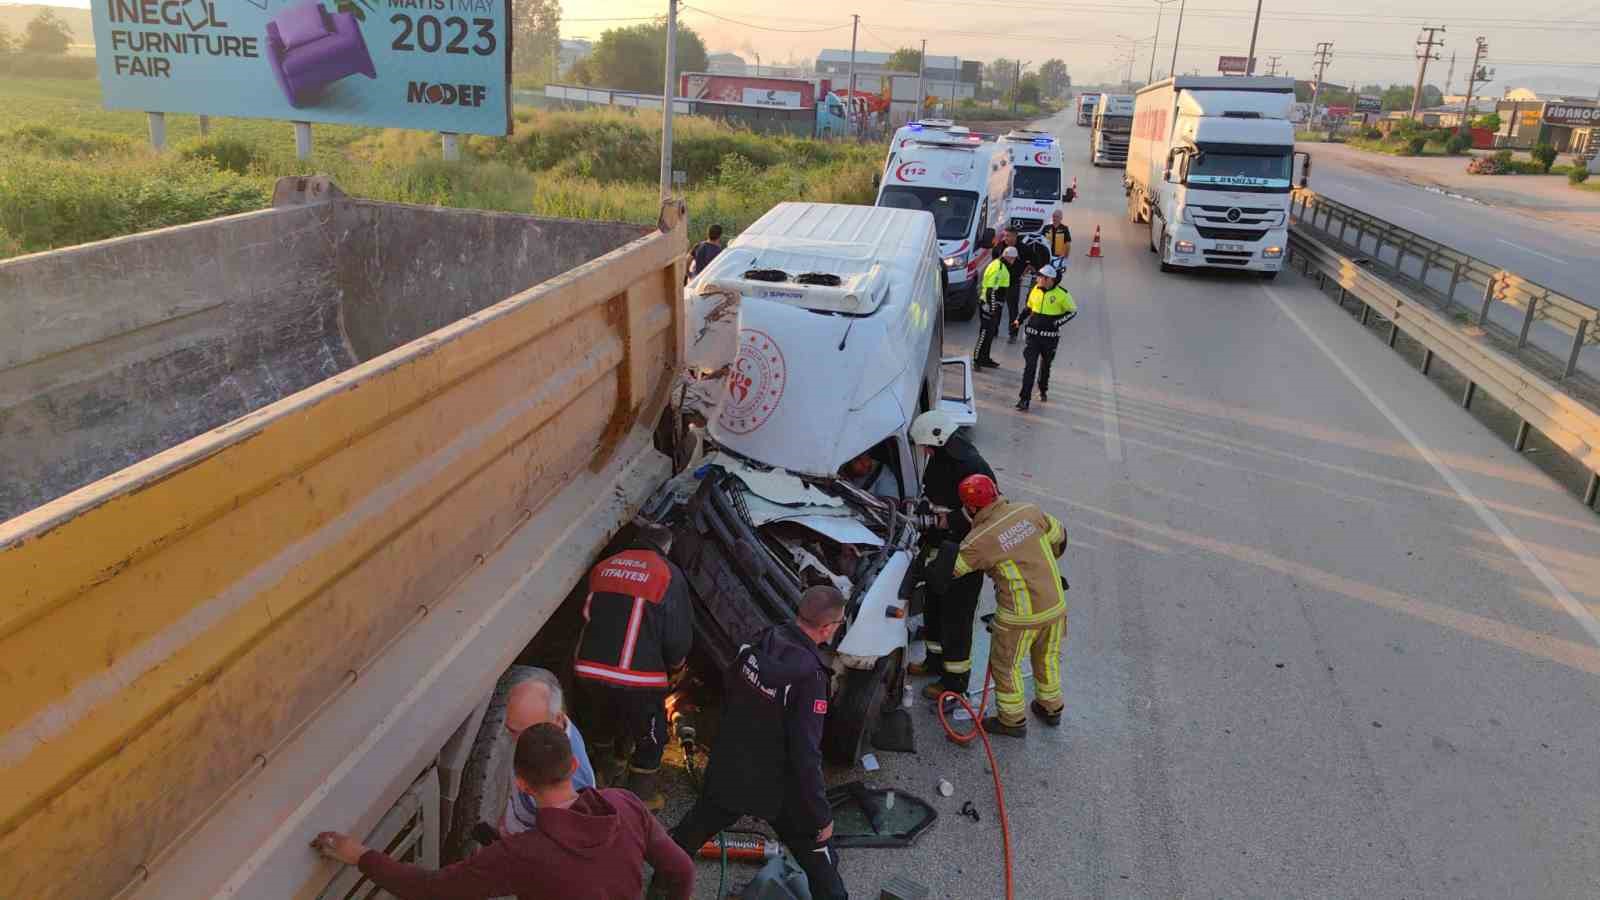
537, 700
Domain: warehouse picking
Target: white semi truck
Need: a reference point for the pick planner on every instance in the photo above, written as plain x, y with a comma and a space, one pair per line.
1086, 105
1113, 120
1210, 166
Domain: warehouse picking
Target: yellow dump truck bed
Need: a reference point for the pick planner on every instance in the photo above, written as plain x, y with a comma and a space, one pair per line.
287, 492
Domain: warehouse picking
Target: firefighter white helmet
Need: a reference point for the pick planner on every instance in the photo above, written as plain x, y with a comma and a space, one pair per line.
933, 428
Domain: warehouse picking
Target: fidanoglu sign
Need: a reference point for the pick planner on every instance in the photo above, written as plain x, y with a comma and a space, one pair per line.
433, 65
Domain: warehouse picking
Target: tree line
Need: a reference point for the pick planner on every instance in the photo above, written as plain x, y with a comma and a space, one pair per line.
45, 33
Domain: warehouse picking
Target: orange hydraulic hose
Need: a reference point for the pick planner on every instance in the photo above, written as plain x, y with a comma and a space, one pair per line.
966, 738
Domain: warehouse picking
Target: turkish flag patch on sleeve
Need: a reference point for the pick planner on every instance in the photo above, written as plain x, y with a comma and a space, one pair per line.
820, 707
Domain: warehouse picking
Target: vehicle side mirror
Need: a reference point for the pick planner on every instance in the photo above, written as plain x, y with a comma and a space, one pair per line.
986, 239
1305, 169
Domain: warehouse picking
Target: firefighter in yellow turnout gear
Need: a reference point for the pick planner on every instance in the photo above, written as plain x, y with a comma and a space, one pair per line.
1018, 544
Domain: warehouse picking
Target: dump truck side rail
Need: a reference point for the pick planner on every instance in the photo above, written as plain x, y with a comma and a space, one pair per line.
269, 626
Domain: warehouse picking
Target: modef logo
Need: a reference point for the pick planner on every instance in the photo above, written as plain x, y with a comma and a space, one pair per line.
433, 94
910, 170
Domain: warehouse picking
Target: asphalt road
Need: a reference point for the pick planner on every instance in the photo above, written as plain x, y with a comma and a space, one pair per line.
1564, 258
1311, 653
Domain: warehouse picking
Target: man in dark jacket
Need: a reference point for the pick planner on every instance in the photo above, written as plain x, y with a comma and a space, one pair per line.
947, 615
637, 631
767, 761
1017, 266
588, 845
704, 252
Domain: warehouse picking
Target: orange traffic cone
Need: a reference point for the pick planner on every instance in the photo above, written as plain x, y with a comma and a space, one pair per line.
1094, 248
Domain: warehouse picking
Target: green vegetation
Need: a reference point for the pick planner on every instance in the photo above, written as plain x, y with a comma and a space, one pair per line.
72, 172
1545, 156
633, 58
1577, 175
1408, 138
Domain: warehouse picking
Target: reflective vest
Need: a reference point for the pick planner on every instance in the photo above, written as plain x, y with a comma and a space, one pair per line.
996, 275
1060, 239
1055, 302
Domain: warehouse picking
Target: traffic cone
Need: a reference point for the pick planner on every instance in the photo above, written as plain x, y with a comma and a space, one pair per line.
1094, 248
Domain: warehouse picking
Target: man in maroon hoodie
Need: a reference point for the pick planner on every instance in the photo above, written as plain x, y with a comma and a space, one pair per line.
587, 845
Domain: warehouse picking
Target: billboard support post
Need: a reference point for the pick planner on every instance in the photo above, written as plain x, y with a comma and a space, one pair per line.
205, 125
302, 140
158, 130
452, 149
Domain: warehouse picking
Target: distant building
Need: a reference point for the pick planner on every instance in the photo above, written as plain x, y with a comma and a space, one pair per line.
1521, 95
727, 64
1567, 125
942, 74
574, 50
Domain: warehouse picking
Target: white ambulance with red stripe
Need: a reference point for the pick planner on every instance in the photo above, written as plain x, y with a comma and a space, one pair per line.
965, 183
1038, 183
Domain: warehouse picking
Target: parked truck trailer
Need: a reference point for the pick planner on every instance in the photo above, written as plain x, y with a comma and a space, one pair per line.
1108, 139
282, 494
1209, 168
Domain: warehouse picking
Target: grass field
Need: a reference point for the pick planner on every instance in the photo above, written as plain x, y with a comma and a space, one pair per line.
71, 171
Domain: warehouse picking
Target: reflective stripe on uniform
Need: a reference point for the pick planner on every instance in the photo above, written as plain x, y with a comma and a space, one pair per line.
1047, 684
1010, 703
935, 647
958, 666
1020, 598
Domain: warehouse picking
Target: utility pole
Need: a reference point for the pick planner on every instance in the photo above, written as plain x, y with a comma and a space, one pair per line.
758, 62
1161, 7
922, 77
667, 92
1016, 87
1250, 58
1324, 54
1450, 74
1424, 53
1177, 37
1273, 62
851, 120
1475, 76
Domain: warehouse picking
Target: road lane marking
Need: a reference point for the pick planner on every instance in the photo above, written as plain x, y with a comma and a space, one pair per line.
1415, 210
1576, 610
1559, 262
1108, 413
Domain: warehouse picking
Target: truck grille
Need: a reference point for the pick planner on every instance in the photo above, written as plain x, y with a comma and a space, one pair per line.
1245, 235
1218, 215
1228, 257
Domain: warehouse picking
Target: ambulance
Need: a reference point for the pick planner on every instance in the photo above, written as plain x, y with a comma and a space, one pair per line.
1037, 188
916, 130
965, 182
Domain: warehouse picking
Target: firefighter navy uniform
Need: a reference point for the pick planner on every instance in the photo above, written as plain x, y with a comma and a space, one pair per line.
947, 616
767, 760
637, 630
1018, 545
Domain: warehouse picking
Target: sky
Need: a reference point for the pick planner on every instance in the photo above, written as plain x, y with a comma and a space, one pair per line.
1372, 42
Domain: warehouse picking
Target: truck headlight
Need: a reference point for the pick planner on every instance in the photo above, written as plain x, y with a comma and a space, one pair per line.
1272, 252
1183, 247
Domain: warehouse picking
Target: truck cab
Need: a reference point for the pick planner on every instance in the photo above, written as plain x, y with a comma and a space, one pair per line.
1113, 122
965, 182
1036, 179
1086, 105
1210, 168
839, 335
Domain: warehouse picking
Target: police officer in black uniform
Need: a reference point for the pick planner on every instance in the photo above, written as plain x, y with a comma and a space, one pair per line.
767, 760
1049, 307
947, 615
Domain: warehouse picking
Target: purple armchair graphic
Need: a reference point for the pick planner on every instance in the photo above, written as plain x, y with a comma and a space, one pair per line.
310, 48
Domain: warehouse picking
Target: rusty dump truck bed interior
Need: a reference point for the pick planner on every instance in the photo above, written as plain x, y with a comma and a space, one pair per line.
118, 350
281, 496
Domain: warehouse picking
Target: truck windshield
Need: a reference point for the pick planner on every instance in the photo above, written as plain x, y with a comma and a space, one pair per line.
1036, 183
1119, 124
1265, 170
952, 210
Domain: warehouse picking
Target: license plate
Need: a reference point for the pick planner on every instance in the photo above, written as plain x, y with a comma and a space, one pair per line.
1232, 248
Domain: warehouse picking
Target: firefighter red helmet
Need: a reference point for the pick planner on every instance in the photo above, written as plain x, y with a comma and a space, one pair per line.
977, 491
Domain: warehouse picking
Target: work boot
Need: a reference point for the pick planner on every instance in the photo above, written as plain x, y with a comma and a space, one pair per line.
933, 689
993, 725
930, 665
1012, 339
1044, 396
646, 785
987, 364
1053, 719
1022, 406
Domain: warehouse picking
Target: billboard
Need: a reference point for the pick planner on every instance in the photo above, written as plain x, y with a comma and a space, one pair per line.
1369, 103
1233, 65
433, 65
768, 97
1571, 114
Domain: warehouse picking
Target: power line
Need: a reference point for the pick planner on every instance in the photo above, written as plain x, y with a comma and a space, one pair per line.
719, 16
1305, 17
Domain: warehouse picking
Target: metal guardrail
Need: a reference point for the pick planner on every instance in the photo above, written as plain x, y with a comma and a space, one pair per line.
1538, 402
1460, 278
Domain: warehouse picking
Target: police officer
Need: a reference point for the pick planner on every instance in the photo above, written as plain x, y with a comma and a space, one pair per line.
767, 760
991, 299
1018, 545
1049, 307
637, 631
1016, 266
949, 609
